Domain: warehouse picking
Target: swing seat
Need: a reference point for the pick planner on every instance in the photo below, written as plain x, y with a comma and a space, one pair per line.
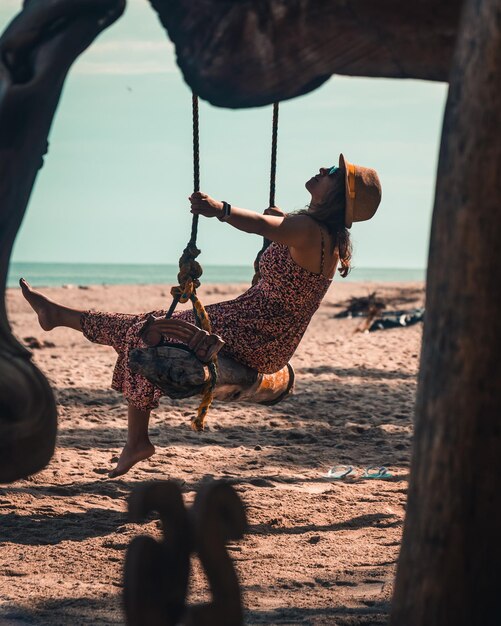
179, 373
204, 345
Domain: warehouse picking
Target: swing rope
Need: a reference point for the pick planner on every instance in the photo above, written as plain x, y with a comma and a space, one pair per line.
273, 176
190, 270
273, 168
188, 278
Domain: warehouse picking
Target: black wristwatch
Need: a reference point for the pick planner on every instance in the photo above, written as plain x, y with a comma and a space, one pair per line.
226, 212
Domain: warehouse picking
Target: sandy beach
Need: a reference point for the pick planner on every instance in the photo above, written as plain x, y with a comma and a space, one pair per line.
317, 552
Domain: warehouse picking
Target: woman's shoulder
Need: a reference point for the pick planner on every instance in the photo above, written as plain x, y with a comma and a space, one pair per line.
303, 220
312, 227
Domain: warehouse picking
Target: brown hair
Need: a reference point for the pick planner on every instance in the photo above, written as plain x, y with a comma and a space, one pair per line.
330, 213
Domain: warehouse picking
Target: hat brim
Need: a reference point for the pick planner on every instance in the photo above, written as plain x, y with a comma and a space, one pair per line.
350, 197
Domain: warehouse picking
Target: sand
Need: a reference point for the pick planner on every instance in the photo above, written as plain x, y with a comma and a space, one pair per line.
317, 551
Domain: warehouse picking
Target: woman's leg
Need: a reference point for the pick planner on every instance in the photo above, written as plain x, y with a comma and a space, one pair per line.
109, 329
122, 332
50, 313
138, 446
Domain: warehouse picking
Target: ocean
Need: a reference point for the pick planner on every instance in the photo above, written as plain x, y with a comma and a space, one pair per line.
58, 274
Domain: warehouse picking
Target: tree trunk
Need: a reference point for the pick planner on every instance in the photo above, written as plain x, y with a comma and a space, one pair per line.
36, 52
252, 53
448, 571
180, 374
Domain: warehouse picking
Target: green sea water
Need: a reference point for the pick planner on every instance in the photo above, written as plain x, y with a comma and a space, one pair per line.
58, 274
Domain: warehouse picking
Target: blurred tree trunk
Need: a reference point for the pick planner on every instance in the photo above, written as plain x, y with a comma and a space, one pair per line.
448, 571
37, 50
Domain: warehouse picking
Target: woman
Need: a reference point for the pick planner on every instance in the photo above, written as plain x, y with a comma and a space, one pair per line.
261, 328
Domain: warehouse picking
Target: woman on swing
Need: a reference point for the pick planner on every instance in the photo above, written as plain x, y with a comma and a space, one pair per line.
261, 328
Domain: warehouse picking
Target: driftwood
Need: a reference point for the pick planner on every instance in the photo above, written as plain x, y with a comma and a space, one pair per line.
448, 572
368, 307
157, 573
362, 306
179, 374
36, 52
251, 53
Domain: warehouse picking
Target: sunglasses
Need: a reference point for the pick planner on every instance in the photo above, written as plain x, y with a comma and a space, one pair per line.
332, 170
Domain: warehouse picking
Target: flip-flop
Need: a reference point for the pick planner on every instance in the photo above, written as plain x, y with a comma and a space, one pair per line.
339, 472
377, 472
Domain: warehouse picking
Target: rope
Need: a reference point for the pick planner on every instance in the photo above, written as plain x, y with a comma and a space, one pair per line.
188, 278
274, 141
196, 162
273, 176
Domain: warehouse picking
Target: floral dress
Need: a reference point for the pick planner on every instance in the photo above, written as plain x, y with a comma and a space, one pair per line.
261, 328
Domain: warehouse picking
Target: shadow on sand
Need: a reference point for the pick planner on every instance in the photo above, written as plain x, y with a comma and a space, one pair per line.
374, 615
108, 612
65, 612
47, 527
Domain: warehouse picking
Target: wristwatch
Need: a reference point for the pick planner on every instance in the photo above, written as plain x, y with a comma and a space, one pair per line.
226, 212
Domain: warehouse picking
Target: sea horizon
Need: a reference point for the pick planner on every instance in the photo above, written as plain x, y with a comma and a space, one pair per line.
42, 274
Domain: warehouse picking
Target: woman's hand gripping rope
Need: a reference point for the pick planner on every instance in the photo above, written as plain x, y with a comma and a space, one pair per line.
203, 204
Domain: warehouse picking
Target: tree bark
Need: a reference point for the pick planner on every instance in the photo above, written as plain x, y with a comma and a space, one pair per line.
36, 52
448, 571
255, 52
179, 374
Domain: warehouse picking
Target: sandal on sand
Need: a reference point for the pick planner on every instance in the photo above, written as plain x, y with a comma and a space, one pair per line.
381, 472
339, 472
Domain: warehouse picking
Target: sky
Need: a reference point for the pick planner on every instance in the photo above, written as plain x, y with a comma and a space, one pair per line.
116, 181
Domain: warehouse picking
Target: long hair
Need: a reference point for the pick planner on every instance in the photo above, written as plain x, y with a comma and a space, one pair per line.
330, 213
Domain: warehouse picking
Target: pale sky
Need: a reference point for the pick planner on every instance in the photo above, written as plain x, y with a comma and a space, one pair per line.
115, 183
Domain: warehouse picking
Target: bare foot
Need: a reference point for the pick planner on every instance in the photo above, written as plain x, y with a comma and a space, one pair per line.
130, 456
43, 307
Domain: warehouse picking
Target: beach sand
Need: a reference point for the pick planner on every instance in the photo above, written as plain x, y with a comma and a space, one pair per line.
317, 551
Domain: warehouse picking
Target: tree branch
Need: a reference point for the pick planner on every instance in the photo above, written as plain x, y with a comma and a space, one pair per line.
255, 52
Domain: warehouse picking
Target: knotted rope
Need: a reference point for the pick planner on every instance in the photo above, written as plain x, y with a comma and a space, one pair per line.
273, 176
188, 278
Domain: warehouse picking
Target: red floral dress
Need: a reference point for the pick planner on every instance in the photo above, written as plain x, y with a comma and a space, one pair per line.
261, 328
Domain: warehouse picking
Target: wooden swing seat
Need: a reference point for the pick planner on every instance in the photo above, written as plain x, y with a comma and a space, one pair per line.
178, 372
181, 370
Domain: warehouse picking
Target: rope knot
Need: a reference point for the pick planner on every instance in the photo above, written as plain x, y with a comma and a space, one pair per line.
189, 271
190, 253
184, 292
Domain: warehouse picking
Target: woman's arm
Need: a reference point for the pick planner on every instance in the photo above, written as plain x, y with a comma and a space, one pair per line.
295, 231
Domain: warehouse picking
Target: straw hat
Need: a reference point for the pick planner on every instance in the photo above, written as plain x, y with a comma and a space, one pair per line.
363, 192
